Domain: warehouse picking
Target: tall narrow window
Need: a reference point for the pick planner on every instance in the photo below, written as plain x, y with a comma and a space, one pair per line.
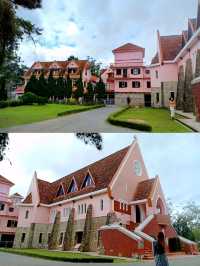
136, 84
61, 239
27, 214
2, 206
118, 72
101, 205
157, 74
148, 84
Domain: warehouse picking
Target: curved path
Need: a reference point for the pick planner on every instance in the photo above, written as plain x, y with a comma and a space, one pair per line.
90, 121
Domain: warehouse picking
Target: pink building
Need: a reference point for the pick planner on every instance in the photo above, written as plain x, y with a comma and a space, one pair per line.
8, 212
122, 202
131, 76
168, 67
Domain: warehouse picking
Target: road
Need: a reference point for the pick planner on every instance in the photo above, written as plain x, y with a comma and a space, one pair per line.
90, 121
7, 259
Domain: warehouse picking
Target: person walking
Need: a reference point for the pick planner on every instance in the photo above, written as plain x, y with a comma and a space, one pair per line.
172, 106
159, 251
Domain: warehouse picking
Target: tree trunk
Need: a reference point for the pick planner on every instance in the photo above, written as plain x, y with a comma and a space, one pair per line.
85, 245
188, 105
68, 238
180, 88
53, 241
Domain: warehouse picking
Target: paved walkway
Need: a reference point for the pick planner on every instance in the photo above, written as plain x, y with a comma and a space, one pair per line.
189, 120
90, 121
7, 259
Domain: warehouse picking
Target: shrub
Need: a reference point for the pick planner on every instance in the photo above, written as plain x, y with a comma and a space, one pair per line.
42, 100
131, 123
15, 103
3, 104
29, 98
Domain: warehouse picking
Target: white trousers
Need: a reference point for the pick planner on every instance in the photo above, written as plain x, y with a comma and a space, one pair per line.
172, 110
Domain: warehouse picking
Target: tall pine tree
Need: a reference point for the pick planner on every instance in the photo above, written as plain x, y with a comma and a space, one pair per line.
100, 90
89, 97
32, 85
51, 86
42, 89
68, 87
78, 93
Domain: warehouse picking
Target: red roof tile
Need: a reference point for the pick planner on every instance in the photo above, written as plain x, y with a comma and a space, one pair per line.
129, 47
5, 181
171, 46
102, 172
28, 199
155, 60
144, 189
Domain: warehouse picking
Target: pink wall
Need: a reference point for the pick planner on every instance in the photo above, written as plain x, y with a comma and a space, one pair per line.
129, 57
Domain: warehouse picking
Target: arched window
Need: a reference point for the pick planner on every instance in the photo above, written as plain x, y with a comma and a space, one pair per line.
138, 214
26, 214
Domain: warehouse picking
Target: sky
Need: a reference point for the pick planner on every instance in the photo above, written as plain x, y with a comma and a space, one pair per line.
94, 28
174, 157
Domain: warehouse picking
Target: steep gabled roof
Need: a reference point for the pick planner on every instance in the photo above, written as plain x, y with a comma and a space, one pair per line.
171, 46
144, 189
28, 199
155, 59
129, 47
102, 172
6, 181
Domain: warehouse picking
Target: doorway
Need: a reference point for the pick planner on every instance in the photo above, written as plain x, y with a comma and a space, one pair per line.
174, 245
147, 100
138, 214
79, 237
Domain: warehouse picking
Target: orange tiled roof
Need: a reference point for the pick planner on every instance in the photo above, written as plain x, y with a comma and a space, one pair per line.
102, 173
129, 47
28, 199
171, 46
144, 189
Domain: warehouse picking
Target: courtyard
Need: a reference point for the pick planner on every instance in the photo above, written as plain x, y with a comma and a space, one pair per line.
45, 119
17, 260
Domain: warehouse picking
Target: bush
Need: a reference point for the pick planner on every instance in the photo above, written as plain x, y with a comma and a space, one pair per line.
15, 103
133, 124
3, 104
79, 110
29, 98
42, 100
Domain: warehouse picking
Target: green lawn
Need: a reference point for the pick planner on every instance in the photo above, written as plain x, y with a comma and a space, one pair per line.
13, 116
159, 119
63, 256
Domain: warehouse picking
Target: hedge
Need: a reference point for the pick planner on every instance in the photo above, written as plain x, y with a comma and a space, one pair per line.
133, 124
90, 107
86, 259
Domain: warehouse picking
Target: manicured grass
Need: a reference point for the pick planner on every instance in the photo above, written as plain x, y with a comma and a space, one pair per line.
13, 116
63, 256
158, 119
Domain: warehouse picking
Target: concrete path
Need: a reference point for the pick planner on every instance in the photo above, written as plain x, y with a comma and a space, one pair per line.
189, 120
7, 259
90, 121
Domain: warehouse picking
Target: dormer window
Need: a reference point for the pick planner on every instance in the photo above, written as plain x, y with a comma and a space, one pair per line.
88, 181
72, 70
73, 187
60, 191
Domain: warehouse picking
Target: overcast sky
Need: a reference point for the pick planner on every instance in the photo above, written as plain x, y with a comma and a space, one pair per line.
95, 28
175, 158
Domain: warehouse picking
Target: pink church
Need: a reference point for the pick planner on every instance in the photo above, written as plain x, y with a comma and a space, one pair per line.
113, 201
128, 77
8, 213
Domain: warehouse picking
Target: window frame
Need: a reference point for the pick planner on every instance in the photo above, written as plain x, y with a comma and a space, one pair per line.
136, 82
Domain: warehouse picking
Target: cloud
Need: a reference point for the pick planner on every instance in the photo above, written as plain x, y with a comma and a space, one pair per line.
97, 27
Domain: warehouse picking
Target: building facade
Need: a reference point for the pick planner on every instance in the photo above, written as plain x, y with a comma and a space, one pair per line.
111, 197
73, 68
175, 65
8, 213
131, 76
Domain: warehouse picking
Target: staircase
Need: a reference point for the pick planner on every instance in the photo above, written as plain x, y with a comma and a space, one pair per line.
148, 255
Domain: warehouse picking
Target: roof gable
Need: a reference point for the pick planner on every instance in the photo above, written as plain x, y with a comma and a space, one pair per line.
73, 186
144, 189
129, 47
171, 46
6, 181
88, 181
61, 191
28, 199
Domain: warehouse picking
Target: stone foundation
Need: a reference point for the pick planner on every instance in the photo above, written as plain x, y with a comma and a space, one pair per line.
164, 94
137, 99
46, 230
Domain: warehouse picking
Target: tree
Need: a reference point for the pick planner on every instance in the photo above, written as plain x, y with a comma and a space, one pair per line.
94, 66
90, 93
85, 245
100, 90
53, 241
32, 85
31, 4
68, 87
61, 93
78, 93
51, 85
4, 141
68, 238
72, 57
180, 88
92, 139
188, 102
41, 88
